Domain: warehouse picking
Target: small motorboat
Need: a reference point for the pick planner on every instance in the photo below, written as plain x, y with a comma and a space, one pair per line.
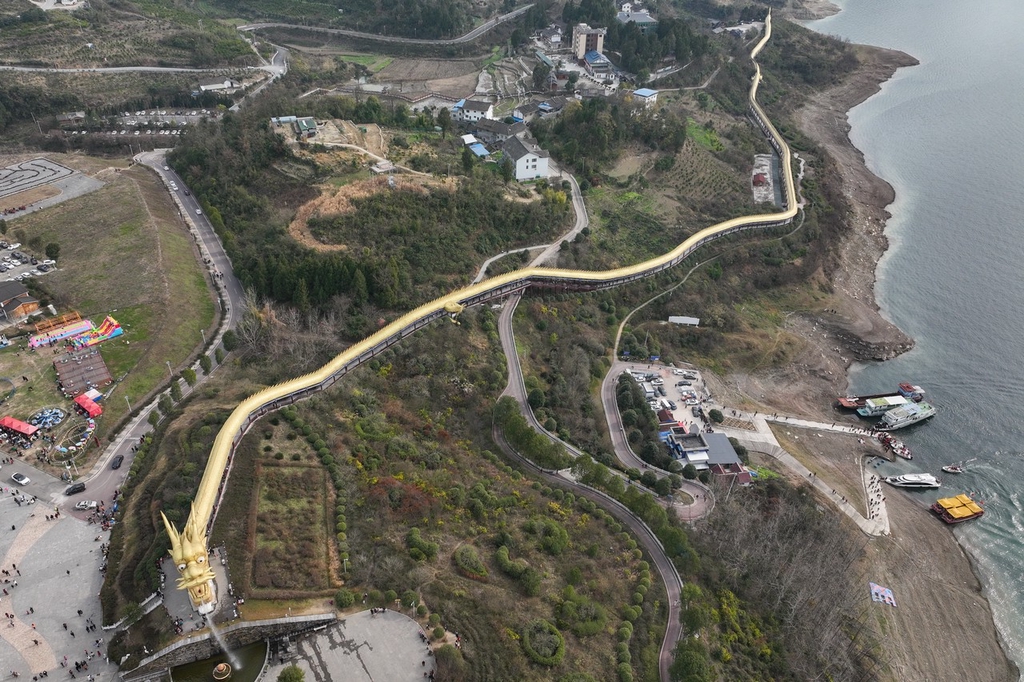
957, 468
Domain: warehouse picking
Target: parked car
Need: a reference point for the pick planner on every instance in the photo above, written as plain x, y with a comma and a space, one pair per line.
116, 464
20, 479
75, 488
199, 211
85, 505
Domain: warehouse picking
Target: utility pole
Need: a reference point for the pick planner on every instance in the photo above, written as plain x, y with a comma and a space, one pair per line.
169, 370
129, 404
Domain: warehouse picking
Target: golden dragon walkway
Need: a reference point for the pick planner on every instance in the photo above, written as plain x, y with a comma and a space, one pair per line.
189, 548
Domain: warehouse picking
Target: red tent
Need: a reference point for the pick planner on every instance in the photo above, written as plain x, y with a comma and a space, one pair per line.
19, 427
88, 406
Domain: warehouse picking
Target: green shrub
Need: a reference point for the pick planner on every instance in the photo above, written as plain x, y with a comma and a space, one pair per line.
410, 598
438, 633
434, 620
390, 596
344, 598
469, 564
421, 610
543, 643
413, 541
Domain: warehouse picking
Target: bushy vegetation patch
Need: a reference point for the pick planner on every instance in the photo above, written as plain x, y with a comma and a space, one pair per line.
543, 643
467, 559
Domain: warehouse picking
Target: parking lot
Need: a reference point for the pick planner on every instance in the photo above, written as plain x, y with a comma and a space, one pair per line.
680, 391
153, 123
16, 264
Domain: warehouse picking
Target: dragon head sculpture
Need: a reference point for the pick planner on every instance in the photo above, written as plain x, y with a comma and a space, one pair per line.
188, 549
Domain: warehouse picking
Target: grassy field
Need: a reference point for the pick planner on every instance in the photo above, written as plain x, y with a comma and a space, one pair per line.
292, 527
373, 62
151, 33
125, 253
703, 136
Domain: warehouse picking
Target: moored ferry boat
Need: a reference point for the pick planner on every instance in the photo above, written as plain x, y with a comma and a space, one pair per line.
874, 407
914, 481
957, 509
905, 415
906, 390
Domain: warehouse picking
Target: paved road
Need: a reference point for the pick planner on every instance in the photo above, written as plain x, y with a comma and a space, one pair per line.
516, 388
467, 38
644, 535
128, 69
101, 480
703, 498
582, 221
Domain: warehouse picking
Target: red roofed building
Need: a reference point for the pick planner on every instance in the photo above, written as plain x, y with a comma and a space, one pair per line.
19, 428
88, 406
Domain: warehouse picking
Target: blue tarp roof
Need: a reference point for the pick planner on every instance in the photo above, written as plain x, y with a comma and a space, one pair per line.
594, 56
479, 149
458, 105
645, 92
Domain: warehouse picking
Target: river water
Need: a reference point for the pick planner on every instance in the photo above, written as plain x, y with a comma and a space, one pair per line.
949, 136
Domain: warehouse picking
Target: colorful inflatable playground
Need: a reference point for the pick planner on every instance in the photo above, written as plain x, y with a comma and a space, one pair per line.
77, 334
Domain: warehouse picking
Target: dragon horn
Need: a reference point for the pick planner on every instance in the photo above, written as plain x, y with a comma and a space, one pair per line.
171, 531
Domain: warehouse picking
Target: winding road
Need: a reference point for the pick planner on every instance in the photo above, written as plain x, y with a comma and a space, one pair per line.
465, 38
499, 287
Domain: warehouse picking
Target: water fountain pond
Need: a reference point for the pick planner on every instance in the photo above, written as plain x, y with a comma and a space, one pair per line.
249, 658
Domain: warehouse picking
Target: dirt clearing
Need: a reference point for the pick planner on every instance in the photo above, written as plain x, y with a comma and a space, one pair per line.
426, 69
338, 200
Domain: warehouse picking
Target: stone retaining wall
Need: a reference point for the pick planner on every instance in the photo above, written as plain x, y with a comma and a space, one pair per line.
236, 636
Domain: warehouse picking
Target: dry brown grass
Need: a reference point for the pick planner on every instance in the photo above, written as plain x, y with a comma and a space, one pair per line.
29, 196
124, 251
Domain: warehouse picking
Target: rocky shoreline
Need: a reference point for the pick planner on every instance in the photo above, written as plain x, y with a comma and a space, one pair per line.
921, 560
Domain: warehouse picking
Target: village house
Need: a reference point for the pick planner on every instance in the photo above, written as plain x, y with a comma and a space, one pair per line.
586, 39
305, 127
530, 161
647, 97
643, 20
526, 112
471, 111
15, 302
223, 84
71, 118
497, 131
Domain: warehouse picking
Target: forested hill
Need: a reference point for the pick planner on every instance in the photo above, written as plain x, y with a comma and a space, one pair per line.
402, 247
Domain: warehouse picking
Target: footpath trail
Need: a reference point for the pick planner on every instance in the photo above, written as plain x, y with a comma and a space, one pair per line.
760, 438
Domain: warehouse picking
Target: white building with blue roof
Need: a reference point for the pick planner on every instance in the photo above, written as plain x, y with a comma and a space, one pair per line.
646, 96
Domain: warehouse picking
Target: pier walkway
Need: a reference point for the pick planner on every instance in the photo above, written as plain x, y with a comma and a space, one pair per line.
758, 437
